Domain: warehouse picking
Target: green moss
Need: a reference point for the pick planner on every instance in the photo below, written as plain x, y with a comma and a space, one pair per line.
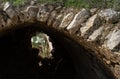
76, 3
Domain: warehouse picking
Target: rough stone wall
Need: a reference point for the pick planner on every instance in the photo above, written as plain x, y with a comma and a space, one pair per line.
98, 30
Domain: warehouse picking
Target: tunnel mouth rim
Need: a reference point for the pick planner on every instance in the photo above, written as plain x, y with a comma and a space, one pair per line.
46, 30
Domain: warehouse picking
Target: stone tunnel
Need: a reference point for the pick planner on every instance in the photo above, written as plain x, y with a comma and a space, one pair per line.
80, 56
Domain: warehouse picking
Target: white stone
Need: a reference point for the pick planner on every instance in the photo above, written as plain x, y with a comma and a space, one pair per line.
93, 10
9, 9
113, 39
79, 18
89, 24
66, 20
6, 5
109, 15
30, 7
42, 14
95, 34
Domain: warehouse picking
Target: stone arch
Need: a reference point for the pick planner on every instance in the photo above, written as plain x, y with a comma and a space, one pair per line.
68, 26
18, 60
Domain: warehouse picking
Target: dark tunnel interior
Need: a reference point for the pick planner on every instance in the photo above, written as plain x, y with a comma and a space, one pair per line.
18, 60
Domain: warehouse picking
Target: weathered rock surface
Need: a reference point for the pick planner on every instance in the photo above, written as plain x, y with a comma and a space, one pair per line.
102, 37
10, 10
32, 12
51, 18
114, 39
95, 34
111, 16
93, 23
66, 20
79, 18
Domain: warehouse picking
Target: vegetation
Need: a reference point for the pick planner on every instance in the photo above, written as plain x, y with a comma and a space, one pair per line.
41, 42
76, 3
16, 2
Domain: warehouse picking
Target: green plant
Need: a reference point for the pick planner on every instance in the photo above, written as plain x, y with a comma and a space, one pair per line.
16, 2
19, 2
76, 3
41, 42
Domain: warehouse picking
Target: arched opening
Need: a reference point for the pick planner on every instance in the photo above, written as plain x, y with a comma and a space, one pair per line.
71, 60
41, 41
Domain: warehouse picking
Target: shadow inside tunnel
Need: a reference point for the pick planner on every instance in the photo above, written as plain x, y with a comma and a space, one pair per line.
18, 60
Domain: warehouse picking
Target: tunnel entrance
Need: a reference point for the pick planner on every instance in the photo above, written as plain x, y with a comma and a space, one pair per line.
41, 41
19, 60
53, 62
